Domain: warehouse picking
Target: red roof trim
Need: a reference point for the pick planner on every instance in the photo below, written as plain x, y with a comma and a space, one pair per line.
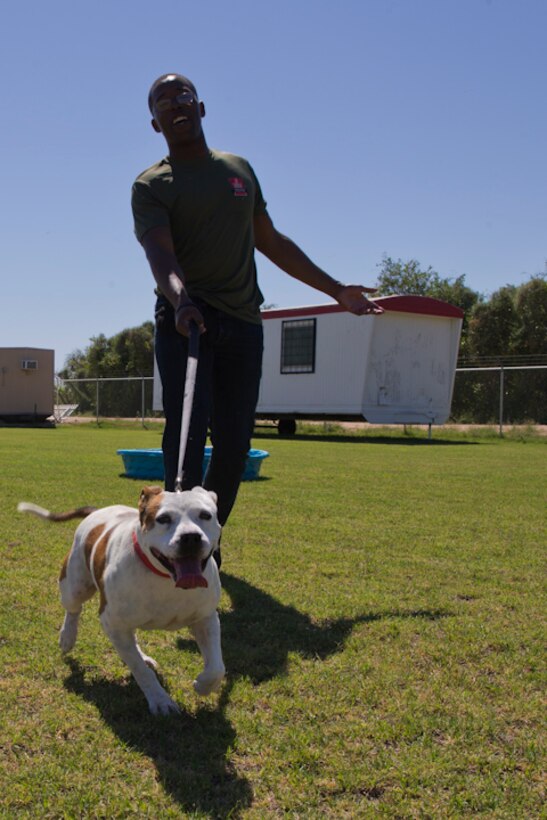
311, 310
424, 305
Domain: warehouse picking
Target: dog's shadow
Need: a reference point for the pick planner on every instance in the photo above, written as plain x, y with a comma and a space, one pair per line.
190, 750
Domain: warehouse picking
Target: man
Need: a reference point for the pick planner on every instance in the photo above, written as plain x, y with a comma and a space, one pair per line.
199, 215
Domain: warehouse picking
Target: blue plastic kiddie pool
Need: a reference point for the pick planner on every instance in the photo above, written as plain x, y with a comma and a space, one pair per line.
149, 463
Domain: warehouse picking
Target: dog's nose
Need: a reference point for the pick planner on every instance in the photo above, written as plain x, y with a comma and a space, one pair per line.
190, 540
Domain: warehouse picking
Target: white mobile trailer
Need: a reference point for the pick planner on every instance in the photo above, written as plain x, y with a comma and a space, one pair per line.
398, 367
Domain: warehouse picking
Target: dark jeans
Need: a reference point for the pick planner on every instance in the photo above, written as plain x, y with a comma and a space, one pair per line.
227, 382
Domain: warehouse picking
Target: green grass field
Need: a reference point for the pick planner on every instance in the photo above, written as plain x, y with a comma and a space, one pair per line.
383, 631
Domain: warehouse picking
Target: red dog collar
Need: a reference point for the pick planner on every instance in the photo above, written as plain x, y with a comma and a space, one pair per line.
144, 558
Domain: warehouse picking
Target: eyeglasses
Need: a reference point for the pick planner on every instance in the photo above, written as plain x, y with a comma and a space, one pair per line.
185, 98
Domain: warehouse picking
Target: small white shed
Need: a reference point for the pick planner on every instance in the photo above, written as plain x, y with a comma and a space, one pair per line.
26, 384
397, 367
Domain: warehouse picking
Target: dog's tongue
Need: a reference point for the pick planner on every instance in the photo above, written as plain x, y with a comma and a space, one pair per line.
188, 574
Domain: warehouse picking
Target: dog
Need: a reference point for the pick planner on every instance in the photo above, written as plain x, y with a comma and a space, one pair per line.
152, 570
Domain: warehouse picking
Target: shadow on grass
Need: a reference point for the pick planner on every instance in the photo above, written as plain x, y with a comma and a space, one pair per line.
190, 751
342, 438
159, 481
259, 632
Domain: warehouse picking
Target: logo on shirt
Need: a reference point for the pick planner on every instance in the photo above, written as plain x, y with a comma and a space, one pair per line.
238, 186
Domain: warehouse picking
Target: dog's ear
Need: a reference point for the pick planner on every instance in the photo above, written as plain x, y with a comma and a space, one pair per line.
147, 494
210, 493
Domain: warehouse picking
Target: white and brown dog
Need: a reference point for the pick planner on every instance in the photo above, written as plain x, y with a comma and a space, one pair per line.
152, 570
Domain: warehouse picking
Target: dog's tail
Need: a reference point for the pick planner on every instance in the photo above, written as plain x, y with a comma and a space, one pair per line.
80, 512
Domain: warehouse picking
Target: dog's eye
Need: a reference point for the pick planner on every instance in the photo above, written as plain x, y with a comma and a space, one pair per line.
164, 518
205, 516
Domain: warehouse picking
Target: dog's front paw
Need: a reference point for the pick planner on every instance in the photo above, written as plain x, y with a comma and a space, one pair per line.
162, 705
68, 633
206, 684
66, 642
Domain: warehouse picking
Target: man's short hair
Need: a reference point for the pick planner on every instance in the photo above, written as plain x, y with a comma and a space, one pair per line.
163, 79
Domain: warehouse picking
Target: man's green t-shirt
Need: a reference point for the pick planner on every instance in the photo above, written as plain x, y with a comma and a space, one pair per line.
209, 203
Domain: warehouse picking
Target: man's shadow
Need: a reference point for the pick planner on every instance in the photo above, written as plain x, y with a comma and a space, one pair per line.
259, 632
190, 751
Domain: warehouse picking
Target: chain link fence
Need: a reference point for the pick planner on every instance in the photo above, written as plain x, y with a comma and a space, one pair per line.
514, 394
128, 397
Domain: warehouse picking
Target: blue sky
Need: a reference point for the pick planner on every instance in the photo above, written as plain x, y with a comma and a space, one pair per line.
412, 128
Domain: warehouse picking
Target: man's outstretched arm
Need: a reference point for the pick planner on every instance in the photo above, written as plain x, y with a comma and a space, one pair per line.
286, 254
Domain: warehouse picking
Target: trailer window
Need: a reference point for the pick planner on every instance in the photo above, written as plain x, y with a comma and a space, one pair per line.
298, 346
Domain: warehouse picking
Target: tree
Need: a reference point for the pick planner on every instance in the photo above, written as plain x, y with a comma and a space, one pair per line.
493, 325
128, 353
511, 329
404, 278
531, 306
